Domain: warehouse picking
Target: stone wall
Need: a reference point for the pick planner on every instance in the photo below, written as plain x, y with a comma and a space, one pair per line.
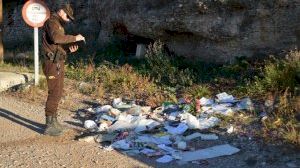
212, 30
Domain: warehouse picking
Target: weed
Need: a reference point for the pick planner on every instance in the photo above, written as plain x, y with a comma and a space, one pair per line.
198, 91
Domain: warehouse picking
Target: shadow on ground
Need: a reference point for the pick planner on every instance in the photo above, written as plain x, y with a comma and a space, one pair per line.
35, 126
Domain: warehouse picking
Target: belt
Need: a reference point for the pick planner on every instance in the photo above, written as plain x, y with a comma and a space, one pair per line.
50, 56
54, 57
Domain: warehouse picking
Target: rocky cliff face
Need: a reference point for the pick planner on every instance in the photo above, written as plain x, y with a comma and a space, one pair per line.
212, 30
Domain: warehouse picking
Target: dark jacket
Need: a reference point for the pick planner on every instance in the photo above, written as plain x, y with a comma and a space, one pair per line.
54, 37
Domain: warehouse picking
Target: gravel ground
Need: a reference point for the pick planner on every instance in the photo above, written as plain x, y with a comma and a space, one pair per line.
23, 145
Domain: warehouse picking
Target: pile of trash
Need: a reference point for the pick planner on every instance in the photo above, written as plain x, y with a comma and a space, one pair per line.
135, 129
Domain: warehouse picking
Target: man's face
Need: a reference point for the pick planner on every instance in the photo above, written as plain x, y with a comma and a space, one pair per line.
64, 16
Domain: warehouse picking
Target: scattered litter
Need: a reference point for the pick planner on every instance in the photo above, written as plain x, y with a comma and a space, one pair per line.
230, 130
166, 148
225, 98
117, 103
131, 152
103, 127
146, 124
114, 112
105, 137
135, 110
108, 148
202, 136
88, 139
122, 144
146, 109
165, 159
108, 118
103, 109
206, 102
264, 118
223, 109
180, 129
165, 131
177, 155
153, 139
245, 104
90, 124
91, 110
202, 123
147, 151
181, 145
216, 151
191, 121
208, 123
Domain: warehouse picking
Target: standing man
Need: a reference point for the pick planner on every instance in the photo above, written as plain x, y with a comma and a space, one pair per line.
55, 54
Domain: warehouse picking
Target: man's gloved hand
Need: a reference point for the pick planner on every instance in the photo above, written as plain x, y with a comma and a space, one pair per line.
73, 48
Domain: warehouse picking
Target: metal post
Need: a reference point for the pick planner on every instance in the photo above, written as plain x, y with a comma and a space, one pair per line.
36, 56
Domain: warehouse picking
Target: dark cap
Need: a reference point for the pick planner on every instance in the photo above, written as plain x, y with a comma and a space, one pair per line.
69, 11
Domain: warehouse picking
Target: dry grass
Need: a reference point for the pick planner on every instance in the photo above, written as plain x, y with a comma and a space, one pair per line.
120, 81
282, 123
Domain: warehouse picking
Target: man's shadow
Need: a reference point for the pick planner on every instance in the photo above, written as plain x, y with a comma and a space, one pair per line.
35, 126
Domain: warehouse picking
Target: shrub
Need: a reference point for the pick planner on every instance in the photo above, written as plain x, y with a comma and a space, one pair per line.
162, 69
277, 75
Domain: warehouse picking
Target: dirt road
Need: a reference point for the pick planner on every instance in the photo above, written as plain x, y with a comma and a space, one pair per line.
23, 145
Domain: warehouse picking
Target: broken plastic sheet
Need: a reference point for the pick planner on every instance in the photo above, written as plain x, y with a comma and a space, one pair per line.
212, 152
225, 98
145, 138
224, 109
166, 148
147, 151
108, 118
145, 124
103, 109
122, 144
173, 116
180, 129
202, 123
136, 123
105, 137
191, 121
245, 104
120, 125
202, 136
118, 104
165, 159
206, 102
208, 123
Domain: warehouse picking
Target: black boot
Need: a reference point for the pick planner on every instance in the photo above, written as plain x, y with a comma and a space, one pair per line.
51, 129
57, 124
